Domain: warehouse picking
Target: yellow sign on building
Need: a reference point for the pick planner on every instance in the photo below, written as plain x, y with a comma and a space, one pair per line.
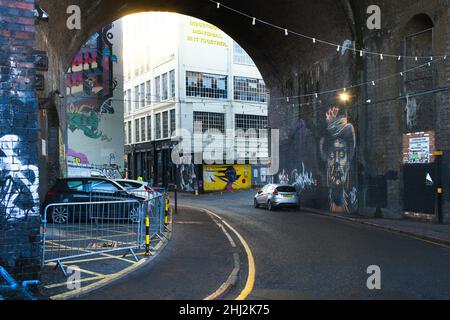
226, 177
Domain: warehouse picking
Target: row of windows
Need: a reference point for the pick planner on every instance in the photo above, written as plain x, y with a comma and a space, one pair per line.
143, 128
203, 85
204, 121
141, 96
215, 86
165, 125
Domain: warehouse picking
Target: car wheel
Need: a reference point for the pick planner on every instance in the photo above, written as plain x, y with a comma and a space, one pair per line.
256, 205
270, 206
60, 215
134, 215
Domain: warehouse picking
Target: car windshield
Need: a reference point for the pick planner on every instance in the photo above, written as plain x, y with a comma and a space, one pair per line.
286, 189
130, 185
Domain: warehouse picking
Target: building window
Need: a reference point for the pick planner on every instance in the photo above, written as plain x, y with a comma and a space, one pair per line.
165, 94
130, 107
172, 83
142, 96
247, 122
158, 88
125, 94
158, 126
148, 90
240, 56
149, 128
136, 98
248, 89
204, 121
137, 130
173, 125
143, 130
125, 128
206, 85
165, 124
130, 135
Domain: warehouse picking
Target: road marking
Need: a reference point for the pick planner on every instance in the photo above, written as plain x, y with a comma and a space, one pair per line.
62, 284
251, 261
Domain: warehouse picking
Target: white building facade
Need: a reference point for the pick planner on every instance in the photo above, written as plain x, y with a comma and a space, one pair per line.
183, 73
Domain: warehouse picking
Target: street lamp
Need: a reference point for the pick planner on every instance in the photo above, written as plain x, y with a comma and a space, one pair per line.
344, 97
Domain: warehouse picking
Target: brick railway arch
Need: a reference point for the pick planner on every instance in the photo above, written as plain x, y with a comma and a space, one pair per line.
264, 44
294, 66
290, 67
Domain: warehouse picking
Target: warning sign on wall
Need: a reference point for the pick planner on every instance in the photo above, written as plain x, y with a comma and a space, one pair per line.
418, 147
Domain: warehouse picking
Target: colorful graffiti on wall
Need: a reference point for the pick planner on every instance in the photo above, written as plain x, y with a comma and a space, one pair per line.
90, 85
337, 150
227, 177
19, 182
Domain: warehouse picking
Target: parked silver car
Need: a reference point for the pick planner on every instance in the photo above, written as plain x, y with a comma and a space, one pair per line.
274, 196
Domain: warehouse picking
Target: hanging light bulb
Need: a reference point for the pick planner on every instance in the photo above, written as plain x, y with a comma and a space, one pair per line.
338, 48
286, 32
399, 58
218, 5
381, 56
314, 40
254, 21
361, 53
373, 83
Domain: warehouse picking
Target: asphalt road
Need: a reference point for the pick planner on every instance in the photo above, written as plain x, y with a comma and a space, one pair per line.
305, 256
297, 255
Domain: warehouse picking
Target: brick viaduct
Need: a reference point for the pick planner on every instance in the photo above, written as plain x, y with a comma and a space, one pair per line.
366, 137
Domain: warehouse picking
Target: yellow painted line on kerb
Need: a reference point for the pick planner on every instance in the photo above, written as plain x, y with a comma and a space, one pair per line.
250, 284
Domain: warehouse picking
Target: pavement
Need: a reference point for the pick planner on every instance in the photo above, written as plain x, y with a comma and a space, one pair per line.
195, 265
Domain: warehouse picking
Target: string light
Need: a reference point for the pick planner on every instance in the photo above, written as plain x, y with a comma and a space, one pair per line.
395, 56
373, 83
286, 32
254, 21
314, 40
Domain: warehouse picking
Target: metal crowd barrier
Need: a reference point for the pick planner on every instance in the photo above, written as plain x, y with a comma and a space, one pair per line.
14, 286
81, 229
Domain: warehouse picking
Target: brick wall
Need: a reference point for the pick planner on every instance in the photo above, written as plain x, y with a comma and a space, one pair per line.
20, 246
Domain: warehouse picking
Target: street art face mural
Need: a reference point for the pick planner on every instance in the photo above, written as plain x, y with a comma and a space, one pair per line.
337, 151
19, 182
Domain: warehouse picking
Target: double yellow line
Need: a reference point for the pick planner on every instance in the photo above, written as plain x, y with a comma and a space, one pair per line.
250, 284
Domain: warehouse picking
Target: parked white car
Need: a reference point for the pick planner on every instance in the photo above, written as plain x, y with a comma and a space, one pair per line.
137, 187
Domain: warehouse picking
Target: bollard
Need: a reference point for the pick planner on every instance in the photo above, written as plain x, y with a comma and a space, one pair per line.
166, 216
147, 236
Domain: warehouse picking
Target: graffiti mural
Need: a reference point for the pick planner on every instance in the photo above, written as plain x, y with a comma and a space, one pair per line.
337, 150
232, 177
188, 177
299, 178
77, 157
19, 182
93, 114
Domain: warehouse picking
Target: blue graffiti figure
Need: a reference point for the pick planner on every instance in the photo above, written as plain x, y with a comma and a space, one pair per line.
230, 177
